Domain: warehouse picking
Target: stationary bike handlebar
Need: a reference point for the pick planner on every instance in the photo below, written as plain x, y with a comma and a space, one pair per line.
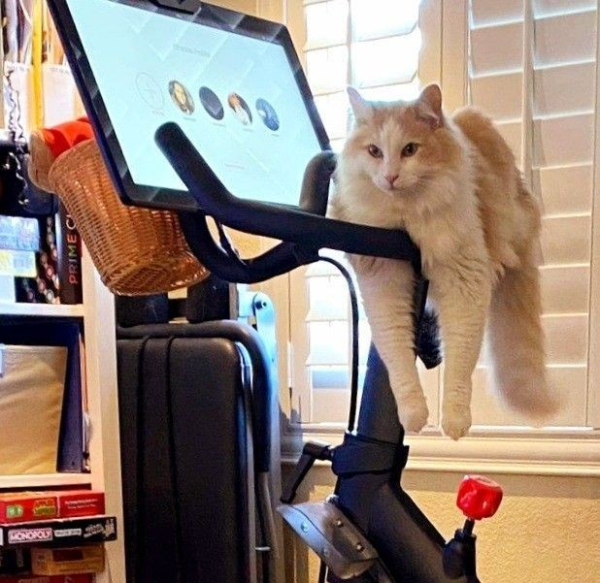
303, 230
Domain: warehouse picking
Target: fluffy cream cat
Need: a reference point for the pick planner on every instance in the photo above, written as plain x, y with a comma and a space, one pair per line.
452, 183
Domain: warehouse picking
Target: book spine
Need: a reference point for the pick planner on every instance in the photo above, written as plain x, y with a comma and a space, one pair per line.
41, 285
19, 234
69, 259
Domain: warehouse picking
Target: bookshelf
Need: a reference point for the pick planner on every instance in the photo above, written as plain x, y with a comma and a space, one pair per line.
46, 95
98, 318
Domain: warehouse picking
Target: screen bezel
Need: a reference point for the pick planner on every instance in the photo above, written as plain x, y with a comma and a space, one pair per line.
208, 15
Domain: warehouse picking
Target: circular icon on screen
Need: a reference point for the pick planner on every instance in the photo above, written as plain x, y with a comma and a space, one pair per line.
240, 108
150, 91
267, 114
181, 97
211, 103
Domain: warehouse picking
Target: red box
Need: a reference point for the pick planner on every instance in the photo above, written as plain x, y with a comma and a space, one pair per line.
52, 579
76, 503
30, 506
27, 506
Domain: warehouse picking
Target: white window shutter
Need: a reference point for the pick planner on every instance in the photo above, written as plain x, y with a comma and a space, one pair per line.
546, 50
531, 65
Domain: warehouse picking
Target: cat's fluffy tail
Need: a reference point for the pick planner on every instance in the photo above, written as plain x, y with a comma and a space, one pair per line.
517, 344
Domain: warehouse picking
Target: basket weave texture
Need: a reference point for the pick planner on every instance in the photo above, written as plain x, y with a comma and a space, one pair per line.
137, 251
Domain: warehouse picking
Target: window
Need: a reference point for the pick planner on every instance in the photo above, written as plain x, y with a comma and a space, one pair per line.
531, 64
354, 43
347, 43
542, 93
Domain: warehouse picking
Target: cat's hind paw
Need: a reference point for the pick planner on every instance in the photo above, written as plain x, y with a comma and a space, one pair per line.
413, 412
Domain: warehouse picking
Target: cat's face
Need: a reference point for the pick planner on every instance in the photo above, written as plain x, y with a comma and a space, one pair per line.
400, 146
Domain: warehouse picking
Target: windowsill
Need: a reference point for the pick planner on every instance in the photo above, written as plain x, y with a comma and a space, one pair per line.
560, 452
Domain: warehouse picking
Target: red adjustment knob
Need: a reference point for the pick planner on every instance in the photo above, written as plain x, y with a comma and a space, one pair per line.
479, 497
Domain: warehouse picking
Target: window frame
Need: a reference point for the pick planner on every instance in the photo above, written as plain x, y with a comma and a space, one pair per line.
551, 451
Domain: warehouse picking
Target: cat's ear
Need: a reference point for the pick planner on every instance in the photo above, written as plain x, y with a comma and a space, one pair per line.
361, 108
429, 106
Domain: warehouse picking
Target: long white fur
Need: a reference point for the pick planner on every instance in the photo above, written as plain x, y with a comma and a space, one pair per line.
442, 215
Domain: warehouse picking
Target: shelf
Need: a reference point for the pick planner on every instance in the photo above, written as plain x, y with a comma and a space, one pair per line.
44, 480
58, 311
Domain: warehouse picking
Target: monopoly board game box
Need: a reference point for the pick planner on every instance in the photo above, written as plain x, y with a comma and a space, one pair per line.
64, 532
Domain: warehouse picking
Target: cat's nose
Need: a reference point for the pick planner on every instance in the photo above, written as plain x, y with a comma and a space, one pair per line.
391, 178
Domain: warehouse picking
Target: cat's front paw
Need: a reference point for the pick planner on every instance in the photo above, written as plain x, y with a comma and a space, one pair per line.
456, 426
413, 412
456, 419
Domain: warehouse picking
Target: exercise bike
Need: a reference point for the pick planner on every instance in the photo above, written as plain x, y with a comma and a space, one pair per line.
369, 530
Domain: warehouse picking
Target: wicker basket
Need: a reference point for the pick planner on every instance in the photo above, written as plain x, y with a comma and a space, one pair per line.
137, 251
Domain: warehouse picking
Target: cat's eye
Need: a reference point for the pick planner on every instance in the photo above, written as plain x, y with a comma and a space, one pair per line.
410, 150
375, 151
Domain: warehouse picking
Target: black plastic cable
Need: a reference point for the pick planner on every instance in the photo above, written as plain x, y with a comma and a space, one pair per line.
355, 334
234, 256
227, 244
